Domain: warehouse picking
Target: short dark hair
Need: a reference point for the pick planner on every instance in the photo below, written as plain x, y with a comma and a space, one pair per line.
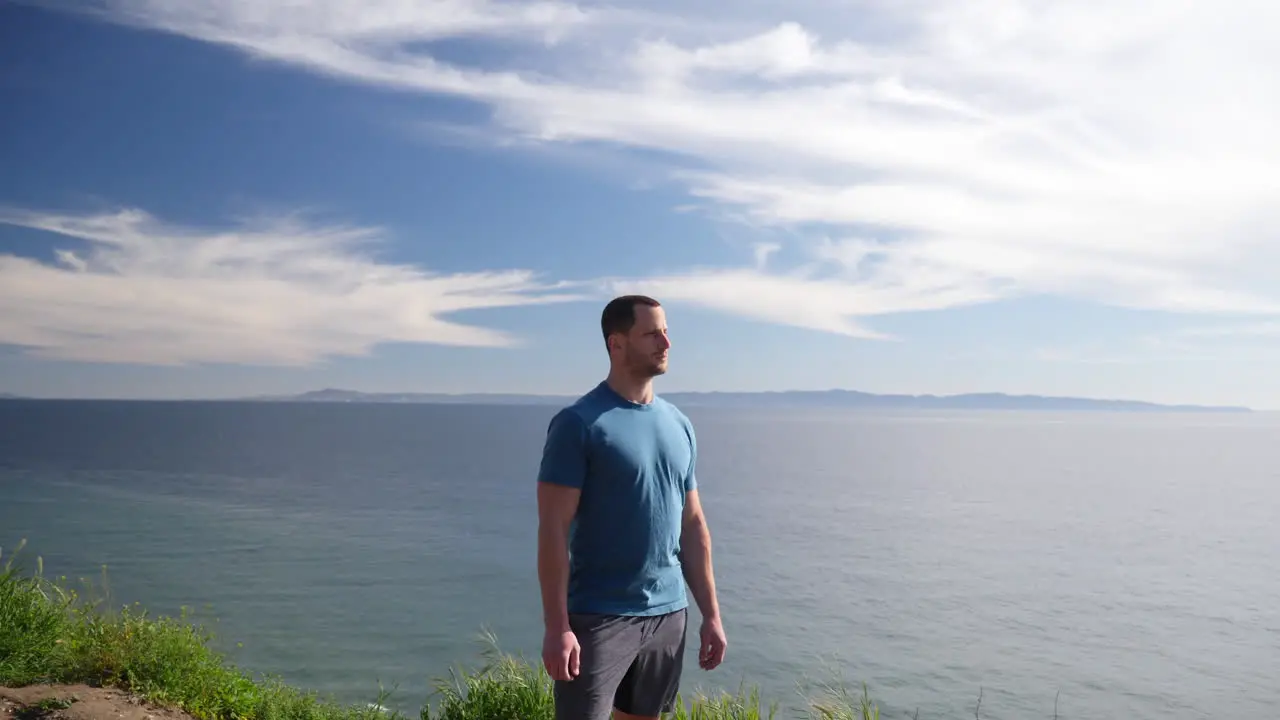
620, 314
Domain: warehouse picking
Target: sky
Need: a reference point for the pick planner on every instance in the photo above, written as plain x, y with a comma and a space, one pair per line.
236, 197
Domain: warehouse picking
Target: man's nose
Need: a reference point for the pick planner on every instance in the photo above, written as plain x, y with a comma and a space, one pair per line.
664, 341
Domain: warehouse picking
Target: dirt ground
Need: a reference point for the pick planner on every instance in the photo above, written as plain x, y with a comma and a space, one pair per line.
78, 702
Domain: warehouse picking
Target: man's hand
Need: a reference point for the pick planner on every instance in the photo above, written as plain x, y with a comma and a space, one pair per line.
713, 644
561, 654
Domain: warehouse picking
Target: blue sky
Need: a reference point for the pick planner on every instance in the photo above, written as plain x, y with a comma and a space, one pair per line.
243, 196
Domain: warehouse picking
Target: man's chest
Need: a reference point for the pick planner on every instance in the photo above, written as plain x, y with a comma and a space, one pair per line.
642, 449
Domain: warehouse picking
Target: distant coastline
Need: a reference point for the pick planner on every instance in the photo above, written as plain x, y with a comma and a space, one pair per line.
781, 399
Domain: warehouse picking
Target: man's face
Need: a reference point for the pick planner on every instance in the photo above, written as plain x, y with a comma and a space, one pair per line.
645, 347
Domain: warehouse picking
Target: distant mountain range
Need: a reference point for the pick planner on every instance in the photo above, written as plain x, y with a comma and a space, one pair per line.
354, 396
774, 399
793, 398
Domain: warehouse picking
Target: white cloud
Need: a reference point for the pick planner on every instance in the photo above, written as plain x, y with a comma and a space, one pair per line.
1223, 345
343, 21
938, 153
762, 252
1237, 330
788, 300
276, 292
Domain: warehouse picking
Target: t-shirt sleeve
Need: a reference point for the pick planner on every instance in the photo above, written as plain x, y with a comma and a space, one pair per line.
691, 479
564, 453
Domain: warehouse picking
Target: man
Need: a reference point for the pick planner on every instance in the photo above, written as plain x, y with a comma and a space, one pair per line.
620, 532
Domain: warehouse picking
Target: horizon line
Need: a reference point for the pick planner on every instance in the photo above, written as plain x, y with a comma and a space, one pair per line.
303, 395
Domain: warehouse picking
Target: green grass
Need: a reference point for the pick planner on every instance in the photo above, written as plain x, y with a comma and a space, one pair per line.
50, 633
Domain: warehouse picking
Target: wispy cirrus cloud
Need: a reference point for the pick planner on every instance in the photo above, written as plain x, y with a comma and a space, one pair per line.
929, 155
277, 291
374, 22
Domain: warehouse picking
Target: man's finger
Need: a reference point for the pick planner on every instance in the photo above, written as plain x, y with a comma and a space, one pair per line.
575, 661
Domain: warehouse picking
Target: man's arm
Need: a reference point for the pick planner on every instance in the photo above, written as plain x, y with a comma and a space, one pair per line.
556, 507
695, 547
560, 480
695, 551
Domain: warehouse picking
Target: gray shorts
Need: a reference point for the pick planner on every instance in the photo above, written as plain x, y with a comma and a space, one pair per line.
631, 664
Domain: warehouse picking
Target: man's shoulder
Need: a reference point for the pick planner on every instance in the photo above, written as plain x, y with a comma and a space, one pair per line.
673, 411
585, 409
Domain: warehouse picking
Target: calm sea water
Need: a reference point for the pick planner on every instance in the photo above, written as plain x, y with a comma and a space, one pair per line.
1129, 563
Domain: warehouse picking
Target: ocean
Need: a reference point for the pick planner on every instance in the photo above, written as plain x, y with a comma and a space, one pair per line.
1120, 565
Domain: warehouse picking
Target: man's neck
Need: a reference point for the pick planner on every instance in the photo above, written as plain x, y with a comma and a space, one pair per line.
630, 388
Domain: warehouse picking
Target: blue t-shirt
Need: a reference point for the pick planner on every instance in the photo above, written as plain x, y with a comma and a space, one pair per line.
633, 463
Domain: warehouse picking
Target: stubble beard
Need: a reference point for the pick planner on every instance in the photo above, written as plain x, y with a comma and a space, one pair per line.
648, 368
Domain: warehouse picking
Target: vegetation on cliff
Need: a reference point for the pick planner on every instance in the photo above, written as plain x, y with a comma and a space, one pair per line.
52, 634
